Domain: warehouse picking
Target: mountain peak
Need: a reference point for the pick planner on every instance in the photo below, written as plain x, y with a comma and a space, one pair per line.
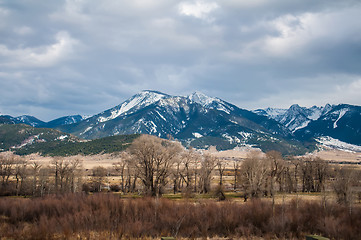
138, 101
152, 92
201, 98
295, 107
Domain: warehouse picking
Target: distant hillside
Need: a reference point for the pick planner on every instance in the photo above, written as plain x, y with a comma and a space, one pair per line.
24, 139
34, 122
18, 136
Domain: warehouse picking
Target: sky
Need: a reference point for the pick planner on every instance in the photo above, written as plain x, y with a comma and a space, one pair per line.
60, 58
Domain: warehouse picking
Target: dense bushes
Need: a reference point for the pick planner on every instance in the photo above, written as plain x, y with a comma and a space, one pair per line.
81, 215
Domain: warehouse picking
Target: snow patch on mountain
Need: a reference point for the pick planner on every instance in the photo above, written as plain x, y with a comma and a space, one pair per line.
342, 112
296, 117
197, 135
86, 130
303, 125
62, 137
161, 116
30, 141
245, 135
333, 143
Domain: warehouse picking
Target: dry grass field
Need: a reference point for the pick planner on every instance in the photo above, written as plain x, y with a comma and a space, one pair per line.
228, 157
337, 156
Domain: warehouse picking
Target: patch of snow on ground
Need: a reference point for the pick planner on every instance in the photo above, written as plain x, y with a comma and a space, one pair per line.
27, 141
229, 138
62, 137
245, 135
333, 143
197, 135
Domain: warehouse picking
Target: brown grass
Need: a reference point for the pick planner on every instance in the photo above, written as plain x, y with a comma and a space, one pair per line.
106, 216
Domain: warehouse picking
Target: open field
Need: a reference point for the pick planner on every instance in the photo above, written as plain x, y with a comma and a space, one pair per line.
338, 156
228, 157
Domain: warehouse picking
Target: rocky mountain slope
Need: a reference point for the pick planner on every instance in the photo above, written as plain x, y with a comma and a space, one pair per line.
342, 122
196, 120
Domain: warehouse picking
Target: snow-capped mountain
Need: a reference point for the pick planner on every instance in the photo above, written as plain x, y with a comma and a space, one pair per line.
34, 122
342, 122
25, 119
197, 120
200, 121
295, 117
64, 121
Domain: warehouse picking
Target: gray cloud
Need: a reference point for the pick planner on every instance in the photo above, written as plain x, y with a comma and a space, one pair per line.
66, 57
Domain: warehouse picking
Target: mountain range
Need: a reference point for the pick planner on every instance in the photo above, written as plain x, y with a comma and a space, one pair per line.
201, 121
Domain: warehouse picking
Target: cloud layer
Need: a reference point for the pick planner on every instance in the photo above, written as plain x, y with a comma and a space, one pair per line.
75, 56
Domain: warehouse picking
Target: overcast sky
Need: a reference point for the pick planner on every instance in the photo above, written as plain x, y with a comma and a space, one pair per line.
85, 56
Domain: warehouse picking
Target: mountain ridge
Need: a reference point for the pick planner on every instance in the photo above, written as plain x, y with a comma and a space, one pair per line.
200, 121
196, 120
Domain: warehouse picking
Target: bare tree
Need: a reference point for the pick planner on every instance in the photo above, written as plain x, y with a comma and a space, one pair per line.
236, 173
99, 173
221, 167
295, 163
276, 167
74, 175
65, 171
307, 174
7, 163
120, 167
321, 173
153, 158
253, 175
208, 163
342, 185
314, 172
20, 172
188, 171
34, 170
43, 183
